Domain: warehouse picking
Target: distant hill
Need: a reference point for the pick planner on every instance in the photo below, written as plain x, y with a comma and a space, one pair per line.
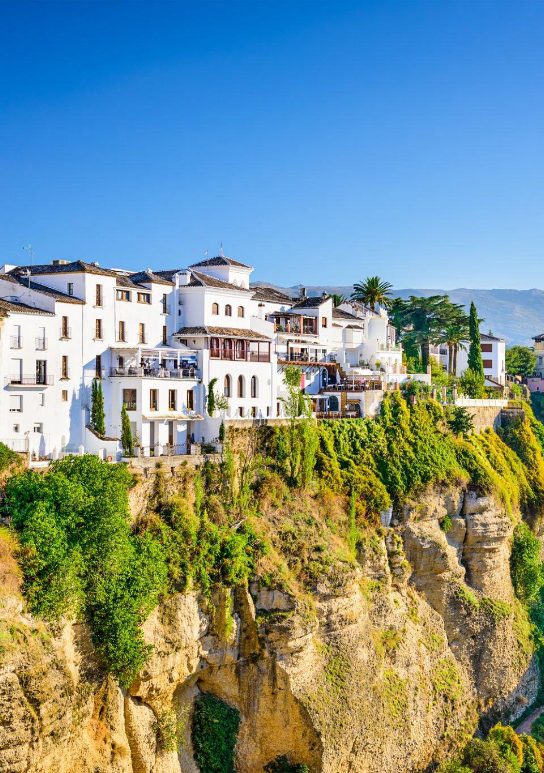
516, 315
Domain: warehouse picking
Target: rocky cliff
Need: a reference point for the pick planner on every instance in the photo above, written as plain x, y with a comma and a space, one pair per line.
387, 665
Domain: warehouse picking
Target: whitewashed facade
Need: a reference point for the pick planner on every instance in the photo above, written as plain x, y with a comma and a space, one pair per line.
158, 340
493, 359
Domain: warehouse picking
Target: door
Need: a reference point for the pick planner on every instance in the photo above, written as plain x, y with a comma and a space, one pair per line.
41, 371
171, 433
152, 438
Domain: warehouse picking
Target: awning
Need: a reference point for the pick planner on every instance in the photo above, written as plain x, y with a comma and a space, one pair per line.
173, 417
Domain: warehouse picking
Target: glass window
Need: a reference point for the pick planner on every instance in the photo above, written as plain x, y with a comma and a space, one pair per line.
228, 310
215, 308
241, 311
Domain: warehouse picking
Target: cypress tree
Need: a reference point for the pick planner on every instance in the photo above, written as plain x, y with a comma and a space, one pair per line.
98, 415
127, 440
475, 351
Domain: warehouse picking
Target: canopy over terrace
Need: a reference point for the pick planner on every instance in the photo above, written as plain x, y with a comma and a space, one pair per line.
145, 361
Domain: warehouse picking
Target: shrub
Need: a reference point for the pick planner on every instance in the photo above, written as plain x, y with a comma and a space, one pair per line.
7, 457
525, 565
282, 765
79, 556
214, 733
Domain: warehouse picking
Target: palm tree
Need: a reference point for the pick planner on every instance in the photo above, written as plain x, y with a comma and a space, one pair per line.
338, 300
372, 291
456, 334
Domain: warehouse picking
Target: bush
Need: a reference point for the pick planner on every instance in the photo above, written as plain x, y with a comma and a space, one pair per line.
78, 555
282, 765
526, 567
7, 457
214, 733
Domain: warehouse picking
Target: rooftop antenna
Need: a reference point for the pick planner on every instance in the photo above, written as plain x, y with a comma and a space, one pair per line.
30, 249
221, 253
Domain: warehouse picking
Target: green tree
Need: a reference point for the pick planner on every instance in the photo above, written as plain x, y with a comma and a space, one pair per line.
520, 361
214, 732
372, 291
475, 363
98, 416
421, 323
127, 441
525, 565
460, 421
472, 384
455, 335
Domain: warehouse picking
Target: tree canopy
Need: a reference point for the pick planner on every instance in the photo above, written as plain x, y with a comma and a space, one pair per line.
520, 361
372, 291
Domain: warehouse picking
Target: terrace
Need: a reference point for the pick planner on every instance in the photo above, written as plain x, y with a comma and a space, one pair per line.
140, 362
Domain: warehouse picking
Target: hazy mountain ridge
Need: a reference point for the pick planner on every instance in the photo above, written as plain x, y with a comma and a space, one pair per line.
516, 315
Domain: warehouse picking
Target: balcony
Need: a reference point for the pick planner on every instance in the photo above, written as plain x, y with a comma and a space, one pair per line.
130, 405
33, 380
41, 344
65, 333
142, 372
15, 342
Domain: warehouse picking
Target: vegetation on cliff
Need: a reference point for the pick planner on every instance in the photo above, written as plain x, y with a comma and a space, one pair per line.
292, 505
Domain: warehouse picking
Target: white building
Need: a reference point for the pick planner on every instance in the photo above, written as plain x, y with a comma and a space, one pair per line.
493, 359
158, 341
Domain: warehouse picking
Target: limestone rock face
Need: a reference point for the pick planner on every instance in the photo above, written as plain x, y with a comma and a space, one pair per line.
387, 672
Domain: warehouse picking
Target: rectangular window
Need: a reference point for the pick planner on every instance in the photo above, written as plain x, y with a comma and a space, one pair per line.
64, 395
16, 428
164, 304
122, 295
98, 296
164, 335
121, 332
141, 333
70, 288
41, 371
143, 297
16, 341
98, 366
41, 341
98, 329
154, 399
323, 321
16, 403
488, 364
64, 328
487, 347
190, 400
172, 399
129, 399
38, 427
64, 367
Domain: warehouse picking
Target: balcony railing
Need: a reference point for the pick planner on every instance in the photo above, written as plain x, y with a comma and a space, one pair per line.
131, 405
245, 356
33, 380
301, 357
41, 344
65, 332
15, 342
133, 371
357, 386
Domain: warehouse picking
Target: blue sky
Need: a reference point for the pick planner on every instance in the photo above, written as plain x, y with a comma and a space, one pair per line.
319, 141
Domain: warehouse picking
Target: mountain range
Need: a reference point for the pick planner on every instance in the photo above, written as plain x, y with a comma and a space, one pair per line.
515, 315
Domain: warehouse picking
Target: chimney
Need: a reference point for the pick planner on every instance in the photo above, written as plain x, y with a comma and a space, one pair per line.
184, 277
60, 262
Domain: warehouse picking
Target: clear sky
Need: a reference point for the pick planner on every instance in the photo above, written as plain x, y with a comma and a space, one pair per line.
319, 141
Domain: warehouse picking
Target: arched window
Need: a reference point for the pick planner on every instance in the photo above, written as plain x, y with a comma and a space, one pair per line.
228, 310
240, 311
241, 386
253, 386
215, 308
227, 386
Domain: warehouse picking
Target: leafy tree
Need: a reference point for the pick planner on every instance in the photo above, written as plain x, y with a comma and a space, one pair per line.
472, 384
456, 334
215, 401
422, 322
520, 361
475, 363
98, 416
460, 421
302, 438
127, 441
372, 291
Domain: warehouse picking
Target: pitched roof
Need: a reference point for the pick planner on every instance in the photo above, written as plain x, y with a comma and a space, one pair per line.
227, 332
341, 314
486, 337
203, 280
539, 337
271, 294
143, 277
73, 267
219, 260
310, 303
168, 274
7, 307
